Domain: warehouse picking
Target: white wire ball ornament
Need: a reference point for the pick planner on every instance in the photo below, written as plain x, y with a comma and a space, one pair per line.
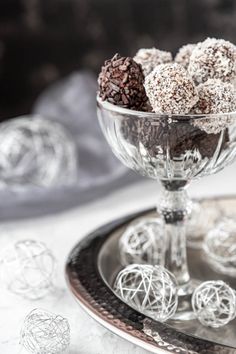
45, 333
143, 243
151, 290
27, 268
202, 218
220, 247
35, 151
214, 303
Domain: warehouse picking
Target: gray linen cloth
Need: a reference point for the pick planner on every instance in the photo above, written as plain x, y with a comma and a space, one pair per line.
72, 102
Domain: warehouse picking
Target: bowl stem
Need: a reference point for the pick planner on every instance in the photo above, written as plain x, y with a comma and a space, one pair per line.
175, 208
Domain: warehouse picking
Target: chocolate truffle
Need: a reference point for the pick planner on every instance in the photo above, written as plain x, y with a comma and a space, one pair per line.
150, 58
213, 59
215, 96
184, 54
121, 83
178, 138
170, 89
183, 137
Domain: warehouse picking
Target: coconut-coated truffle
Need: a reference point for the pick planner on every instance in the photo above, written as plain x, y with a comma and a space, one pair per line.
121, 82
170, 89
215, 97
213, 59
184, 54
150, 58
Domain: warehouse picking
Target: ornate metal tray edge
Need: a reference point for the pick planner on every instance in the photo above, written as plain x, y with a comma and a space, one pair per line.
88, 287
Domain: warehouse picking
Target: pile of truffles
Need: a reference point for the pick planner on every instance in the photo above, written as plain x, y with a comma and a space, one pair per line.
200, 80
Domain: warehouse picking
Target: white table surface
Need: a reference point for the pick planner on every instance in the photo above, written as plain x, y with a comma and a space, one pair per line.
60, 233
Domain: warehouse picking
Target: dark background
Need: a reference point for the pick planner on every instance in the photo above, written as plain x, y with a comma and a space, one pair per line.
43, 40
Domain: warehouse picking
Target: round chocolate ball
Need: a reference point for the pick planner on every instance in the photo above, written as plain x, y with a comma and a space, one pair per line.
184, 137
215, 97
170, 89
150, 58
213, 59
121, 83
184, 54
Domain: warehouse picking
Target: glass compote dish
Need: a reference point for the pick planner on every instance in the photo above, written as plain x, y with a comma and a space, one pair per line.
174, 149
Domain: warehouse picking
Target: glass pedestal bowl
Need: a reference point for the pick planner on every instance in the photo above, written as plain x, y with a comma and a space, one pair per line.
173, 149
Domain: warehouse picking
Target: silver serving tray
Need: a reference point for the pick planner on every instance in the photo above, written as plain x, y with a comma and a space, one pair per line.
91, 268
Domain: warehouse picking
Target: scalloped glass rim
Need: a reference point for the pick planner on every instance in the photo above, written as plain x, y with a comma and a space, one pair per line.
139, 114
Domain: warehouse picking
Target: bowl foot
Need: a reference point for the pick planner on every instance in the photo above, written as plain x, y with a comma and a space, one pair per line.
184, 311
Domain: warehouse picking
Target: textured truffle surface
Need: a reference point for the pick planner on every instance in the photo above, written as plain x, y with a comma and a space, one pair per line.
213, 59
184, 54
170, 89
150, 58
215, 96
121, 83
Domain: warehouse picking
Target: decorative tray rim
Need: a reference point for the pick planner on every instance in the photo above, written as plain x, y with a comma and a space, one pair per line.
114, 314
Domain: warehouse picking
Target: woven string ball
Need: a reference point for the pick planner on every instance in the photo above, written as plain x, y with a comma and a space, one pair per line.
143, 243
220, 247
34, 151
202, 219
214, 303
45, 333
26, 269
149, 289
